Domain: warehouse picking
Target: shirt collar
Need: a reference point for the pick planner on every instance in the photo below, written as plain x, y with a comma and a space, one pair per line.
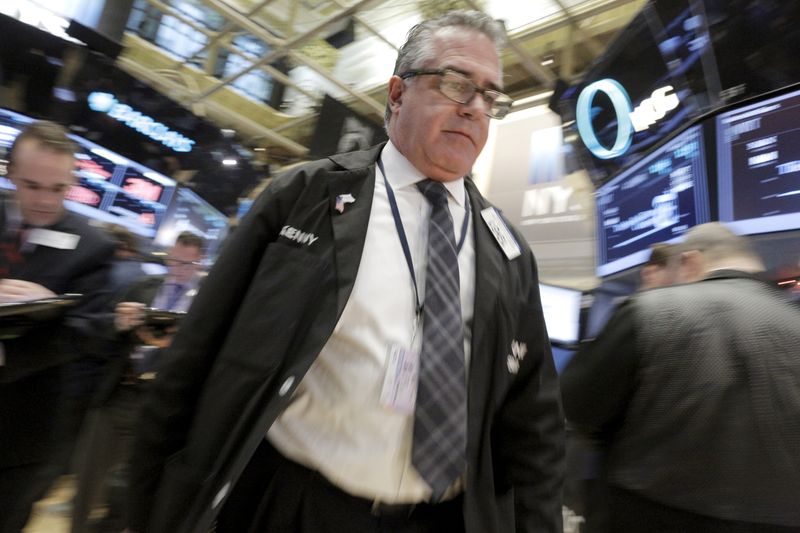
192, 283
401, 173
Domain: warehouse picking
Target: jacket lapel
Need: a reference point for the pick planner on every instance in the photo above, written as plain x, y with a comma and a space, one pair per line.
488, 272
350, 224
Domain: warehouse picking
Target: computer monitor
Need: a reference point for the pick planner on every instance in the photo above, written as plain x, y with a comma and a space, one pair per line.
110, 187
655, 200
562, 311
758, 165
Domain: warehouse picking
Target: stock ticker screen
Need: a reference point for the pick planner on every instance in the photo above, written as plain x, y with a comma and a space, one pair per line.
758, 159
656, 200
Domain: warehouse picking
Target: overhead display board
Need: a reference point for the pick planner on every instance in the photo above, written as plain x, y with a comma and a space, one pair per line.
758, 165
656, 200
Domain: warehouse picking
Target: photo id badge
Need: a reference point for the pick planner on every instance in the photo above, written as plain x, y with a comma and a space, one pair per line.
399, 392
501, 233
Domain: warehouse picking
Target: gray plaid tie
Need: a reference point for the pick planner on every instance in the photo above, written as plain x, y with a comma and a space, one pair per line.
440, 418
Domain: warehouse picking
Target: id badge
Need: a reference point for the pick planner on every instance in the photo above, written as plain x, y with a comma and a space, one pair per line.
399, 392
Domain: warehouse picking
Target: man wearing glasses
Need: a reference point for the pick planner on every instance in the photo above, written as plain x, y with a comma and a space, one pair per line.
368, 353
138, 344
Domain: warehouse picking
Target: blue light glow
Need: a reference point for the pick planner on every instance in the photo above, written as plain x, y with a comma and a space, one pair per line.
622, 107
107, 103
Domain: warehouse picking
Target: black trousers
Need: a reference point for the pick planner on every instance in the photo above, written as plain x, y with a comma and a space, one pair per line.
20, 487
276, 495
631, 513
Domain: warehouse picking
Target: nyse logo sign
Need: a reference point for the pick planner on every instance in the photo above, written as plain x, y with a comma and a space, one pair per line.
629, 120
551, 205
546, 201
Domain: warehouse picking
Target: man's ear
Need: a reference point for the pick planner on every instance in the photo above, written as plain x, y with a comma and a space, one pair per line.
396, 88
692, 266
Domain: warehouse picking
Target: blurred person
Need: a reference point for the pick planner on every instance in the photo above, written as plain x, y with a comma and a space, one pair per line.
44, 251
694, 392
661, 268
83, 374
135, 348
584, 460
308, 328
126, 268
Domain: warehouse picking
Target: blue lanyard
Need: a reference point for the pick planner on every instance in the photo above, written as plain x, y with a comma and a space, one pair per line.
401, 232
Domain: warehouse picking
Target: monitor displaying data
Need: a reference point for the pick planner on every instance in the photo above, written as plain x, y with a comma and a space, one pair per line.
758, 158
656, 200
562, 310
189, 212
109, 187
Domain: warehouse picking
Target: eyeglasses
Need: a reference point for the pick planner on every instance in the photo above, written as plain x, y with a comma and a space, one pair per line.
179, 263
462, 90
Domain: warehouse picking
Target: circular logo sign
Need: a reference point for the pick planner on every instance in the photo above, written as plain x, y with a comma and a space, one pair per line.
623, 109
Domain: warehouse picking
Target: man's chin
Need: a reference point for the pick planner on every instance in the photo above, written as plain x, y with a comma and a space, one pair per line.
41, 221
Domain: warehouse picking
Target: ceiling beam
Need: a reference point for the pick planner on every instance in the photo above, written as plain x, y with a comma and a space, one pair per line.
215, 38
533, 67
285, 47
226, 29
217, 112
583, 37
372, 29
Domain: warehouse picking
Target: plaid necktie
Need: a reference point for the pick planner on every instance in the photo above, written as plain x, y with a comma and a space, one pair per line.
174, 293
440, 418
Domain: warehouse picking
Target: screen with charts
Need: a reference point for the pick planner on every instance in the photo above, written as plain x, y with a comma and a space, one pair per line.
562, 310
110, 187
758, 158
655, 200
189, 212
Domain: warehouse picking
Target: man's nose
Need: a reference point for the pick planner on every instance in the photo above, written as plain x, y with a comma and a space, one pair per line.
476, 107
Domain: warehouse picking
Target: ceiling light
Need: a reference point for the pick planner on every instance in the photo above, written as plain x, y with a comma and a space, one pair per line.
229, 162
548, 59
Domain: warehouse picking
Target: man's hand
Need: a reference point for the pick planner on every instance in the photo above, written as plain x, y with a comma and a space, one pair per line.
128, 315
145, 335
17, 290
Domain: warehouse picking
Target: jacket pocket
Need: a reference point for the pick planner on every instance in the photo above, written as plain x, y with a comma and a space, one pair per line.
175, 497
273, 310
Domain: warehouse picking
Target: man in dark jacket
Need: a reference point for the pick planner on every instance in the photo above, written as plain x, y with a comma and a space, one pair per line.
44, 251
379, 323
693, 390
133, 347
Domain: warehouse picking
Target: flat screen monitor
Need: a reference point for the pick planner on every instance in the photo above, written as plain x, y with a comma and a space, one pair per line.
656, 200
110, 187
758, 160
562, 310
189, 212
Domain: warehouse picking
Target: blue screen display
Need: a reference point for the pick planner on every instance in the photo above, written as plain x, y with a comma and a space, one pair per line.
758, 159
656, 200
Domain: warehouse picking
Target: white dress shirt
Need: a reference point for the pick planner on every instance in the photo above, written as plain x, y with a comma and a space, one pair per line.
335, 423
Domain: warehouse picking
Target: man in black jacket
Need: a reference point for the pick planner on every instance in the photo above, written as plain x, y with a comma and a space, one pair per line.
693, 391
134, 347
44, 251
378, 321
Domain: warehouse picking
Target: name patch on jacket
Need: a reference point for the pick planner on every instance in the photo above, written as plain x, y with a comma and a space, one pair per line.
301, 237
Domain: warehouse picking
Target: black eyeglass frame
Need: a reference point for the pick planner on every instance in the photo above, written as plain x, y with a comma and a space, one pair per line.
504, 99
177, 262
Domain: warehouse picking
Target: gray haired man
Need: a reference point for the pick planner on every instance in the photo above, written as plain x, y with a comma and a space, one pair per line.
369, 352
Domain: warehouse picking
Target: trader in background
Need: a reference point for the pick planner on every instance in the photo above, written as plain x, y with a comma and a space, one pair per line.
694, 390
44, 251
133, 347
368, 353
661, 269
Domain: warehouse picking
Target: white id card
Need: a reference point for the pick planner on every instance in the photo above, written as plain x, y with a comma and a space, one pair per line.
399, 392
501, 233
53, 239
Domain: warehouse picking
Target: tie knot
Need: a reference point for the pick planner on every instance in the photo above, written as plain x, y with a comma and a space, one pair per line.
434, 191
